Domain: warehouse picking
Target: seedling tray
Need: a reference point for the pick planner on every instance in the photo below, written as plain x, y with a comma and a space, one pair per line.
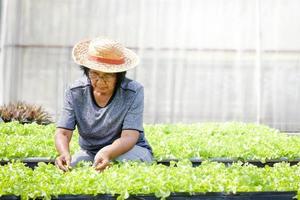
33, 162
10, 197
183, 196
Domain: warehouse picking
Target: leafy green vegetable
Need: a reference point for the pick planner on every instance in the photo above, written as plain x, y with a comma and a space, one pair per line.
241, 141
29, 140
140, 178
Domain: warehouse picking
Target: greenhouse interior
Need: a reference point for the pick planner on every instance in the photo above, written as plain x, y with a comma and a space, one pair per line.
140, 99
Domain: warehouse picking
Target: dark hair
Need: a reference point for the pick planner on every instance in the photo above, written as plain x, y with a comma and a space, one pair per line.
85, 70
120, 75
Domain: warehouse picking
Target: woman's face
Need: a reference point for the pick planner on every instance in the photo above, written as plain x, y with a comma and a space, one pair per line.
103, 82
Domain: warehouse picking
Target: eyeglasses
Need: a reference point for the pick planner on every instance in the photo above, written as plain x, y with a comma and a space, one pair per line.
106, 78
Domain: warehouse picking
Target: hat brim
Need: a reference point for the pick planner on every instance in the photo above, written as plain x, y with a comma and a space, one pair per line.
80, 56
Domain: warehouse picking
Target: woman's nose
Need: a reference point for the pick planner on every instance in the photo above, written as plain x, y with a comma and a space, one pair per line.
101, 81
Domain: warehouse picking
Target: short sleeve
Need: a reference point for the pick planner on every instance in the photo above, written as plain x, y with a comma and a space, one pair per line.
67, 119
134, 117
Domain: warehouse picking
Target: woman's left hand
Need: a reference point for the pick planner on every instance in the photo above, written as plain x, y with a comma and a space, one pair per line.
101, 161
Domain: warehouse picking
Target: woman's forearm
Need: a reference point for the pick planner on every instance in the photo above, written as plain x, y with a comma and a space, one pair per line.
62, 140
121, 145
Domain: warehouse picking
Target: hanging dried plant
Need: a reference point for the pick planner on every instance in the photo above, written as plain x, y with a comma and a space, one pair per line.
24, 113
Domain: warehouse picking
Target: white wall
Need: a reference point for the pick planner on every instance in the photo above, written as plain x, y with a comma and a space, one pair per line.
200, 59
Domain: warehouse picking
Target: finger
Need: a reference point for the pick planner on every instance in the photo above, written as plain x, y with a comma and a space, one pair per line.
109, 165
104, 168
68, 162
60, 164
98, 167
97, 162
102, 165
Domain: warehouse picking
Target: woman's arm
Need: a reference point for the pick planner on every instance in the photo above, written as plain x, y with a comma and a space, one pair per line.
62, 141
120, 146
133, 121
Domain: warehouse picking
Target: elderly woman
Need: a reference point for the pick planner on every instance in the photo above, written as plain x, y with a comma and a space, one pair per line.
106, 107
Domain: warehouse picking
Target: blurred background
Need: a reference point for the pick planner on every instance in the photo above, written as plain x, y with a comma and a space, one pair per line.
201, 60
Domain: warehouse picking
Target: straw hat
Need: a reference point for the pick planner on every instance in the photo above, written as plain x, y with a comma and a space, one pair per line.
104, 55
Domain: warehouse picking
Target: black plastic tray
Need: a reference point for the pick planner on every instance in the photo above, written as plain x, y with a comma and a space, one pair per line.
30, 162
201, 196
263, 196
181, 196
10, 197
229, 161
33, 162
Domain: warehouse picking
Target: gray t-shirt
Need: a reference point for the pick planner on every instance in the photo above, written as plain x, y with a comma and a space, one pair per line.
101, 126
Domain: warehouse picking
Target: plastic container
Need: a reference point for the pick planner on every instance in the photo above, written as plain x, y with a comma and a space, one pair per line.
200, 196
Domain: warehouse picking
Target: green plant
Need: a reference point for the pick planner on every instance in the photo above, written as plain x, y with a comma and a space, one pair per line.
140, 178
29, 140
238, 141
241, 141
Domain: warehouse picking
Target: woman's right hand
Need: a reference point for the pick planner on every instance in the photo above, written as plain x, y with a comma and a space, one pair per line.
63, 162
62, 140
